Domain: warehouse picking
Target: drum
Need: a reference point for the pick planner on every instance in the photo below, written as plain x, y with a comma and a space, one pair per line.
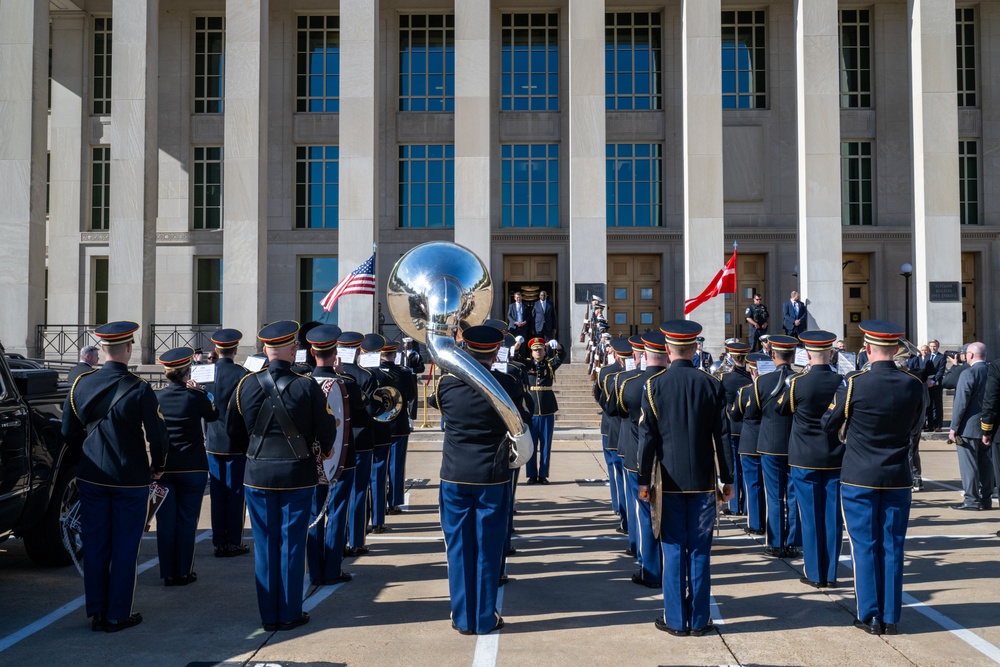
329, 469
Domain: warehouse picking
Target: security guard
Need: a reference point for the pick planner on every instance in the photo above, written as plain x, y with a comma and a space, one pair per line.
883, 408
629, 388
683, 430
814, 458
328, 538
783, 537
225, 467
753, 476
732, 381
621, 350
184, 406
616, 474
403, 380
363, 429
542, 374
475, 483
276, 416
106, 413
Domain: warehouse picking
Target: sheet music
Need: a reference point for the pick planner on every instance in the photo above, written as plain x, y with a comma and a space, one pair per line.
347, 354
765, 367
370, 359
801, 357
399, 358
203, 373
846, 362
503, 354
630, 364
301, 356
642, 363
500, 366
254, 363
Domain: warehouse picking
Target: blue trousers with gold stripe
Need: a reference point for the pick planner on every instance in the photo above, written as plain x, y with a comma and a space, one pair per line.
325, 546
357, 518
782, 510
397, 470
609, 461
631, 500
876, 522
738, 503
686, 539
474, 522
541, 433
225, 486
177, 522
380, 477
280, 520
817, 493
753, 482
647, 547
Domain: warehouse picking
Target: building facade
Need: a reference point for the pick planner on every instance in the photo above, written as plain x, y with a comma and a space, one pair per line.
191, 163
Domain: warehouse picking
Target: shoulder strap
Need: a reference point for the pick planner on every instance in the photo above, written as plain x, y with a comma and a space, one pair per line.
125, 385
274, 407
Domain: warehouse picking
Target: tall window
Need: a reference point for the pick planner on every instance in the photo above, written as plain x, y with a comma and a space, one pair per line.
209, 63
207, 185
856, 182
965, 42
427, 62
968, 178
632, 56
530, 185
208, 290
99, 291
634, 185
100, 187
317, 197
529, 62
855, 59
317, 276
427, 186
101, 78
318, 64
744, 72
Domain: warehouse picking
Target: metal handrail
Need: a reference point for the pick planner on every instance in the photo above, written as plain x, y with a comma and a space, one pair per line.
59, 341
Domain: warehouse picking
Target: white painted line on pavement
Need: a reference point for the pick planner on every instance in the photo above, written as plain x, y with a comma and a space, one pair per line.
70, 607
322, 593
941, 484
488, 645
716, 614
406, 502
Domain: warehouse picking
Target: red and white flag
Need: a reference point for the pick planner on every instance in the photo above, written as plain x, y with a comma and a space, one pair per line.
724, 282
359, 281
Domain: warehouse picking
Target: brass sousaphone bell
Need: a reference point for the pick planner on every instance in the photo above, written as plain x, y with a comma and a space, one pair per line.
437, 289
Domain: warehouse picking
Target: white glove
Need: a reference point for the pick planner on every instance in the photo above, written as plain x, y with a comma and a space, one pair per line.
554, 344
521, 448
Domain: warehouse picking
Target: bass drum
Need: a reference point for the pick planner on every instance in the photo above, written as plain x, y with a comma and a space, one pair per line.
330, 469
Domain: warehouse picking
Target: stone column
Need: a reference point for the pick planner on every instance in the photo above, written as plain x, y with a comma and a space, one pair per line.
134, 168
24, 43
244, 264
66, 168
473, 139
359, 76
704, 240
817, 98
937, 243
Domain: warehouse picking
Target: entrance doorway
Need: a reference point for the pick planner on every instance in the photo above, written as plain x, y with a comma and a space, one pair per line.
749, 281
969, 297
529, 275
856, 267
634, 301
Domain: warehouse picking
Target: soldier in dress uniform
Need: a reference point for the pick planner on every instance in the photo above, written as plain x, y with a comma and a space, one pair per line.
328, 538
475, 485
629, 389
683, 430
184, 406
783, 536
616, 474
732, 381
542, 374
225, 467
106, 414
382, 440
814, 458
276, 416
753, 476
402, 379
363, 431
883, 407
621, 350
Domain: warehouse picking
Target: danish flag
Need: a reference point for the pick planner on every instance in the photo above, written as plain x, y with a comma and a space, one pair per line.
724, 282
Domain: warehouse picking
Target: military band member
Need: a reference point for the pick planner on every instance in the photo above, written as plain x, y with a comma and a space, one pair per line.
732, 381
403, 380
883, 407
382, 436
683, 430
225, 467
753, 475
814, 459
184, 406
327, 539
783, 537
616, 474
542, 375
275, 416
629, 389
106, 413
621, 350
475, 484
988, 417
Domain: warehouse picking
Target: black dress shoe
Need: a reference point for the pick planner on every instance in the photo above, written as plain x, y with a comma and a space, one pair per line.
774, 552
169, 581
97, 622
379, 529
622, 530
462, 632
498, 626
271, 627
629, 552
751, 531
829, 584
124, 624
291, 625
354, 552
220, 551
968, 507
700, 632
512, 551
395, 509
727, 511
889, 629
543, 480
503, 579
872, 627
189, 579
238, 549
343, 577
532, 480
809, 582
661, 624
637, 579
792, 552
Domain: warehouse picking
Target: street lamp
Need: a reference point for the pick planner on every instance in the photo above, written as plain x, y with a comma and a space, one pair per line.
907, 271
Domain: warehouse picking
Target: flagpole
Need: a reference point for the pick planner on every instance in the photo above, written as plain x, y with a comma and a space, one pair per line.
375, 291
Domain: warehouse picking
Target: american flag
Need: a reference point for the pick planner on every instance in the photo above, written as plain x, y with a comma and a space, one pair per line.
360, 281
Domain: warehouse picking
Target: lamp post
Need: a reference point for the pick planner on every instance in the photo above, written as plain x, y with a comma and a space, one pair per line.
907, 271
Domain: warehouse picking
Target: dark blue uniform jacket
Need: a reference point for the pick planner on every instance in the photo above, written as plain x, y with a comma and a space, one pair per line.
627, 403
183, 410
732, 382
772, 438
227, 375
806, 400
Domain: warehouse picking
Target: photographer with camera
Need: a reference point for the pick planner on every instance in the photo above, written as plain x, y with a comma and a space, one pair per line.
959, 365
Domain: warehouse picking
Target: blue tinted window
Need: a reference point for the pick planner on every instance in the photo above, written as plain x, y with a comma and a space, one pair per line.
744, 74
317, 177
529, 190
634, 185
317, 276
427, 186
632, 56
529, 62
427, 62
318, 64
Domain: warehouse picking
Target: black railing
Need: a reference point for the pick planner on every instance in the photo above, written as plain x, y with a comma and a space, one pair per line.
64, 341
169, 336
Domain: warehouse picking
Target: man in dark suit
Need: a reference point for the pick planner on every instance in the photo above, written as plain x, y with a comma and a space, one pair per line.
793, 315
88, 359
544, 317
935, 374
517, 317
966, 432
